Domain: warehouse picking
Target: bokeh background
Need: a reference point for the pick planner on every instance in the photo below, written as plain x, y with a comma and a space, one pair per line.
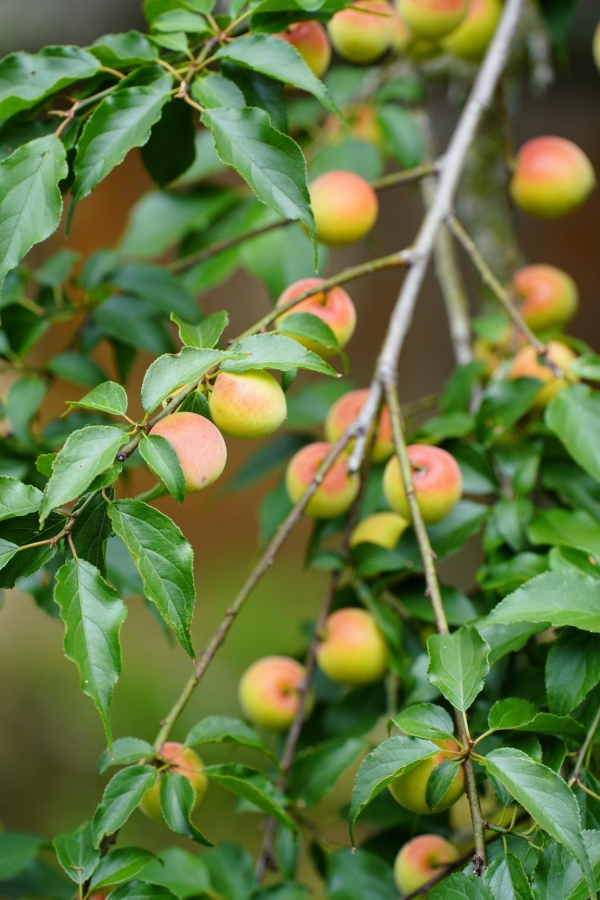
50, 735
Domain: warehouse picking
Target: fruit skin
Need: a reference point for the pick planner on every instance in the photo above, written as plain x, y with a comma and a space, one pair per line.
334, 307
552, 177
184, 761
420, 859
526, 365
345, 207
406, 44
199, 445
311, 41
268, 692
549, 296
437, 480
359, 36
338, 490
384, 529
346, 410
470, 40
353, 650
409, 789
248, 405
432, 19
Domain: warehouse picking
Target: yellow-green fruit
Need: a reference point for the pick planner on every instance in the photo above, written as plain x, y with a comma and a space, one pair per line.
337, 491
526, 365
199, 445
384, 529
346, 410
549, 297
345, 207
361, 33
470, 40
269, 692
420, 860
352, 650
437, 481
409, 789
406, 44
432, 19
248, 405
552, 177
184, 761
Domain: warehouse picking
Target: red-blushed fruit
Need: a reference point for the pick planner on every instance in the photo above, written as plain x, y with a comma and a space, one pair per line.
437, 480
362, 32
199, 445
184, 761
345, 207
336, 493
552, 177
334, 307
470, 40
420, 860
406, 44
311, 41
409, 789
384, 529
352, 650
549, 297
346, 410
432, 19
527, 365
597, 46
248, 405
269, 692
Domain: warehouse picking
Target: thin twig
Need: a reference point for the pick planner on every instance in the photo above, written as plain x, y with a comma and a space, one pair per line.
406, 176
589, 739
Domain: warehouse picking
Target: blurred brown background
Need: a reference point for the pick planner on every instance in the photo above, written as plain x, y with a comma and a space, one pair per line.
50, 735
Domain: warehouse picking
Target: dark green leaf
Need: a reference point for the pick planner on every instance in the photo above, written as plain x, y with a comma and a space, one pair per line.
124, 752
562, 527
253, 786
503, 404
76, 368
316, 769
231, 871
91, 531
163, 461
557, 875
353, 874
574, 486
26, 79
121, 864
305, 326
177, 798
572, 669
115, 316
158, 287
215, 90
280, 257
574, 416
182, 872
439, 782
17, 850
556, 598
25, 530
225, 730
402, 133
458, 390
76, 853
140, 890
122, 795
458, 664
167, 159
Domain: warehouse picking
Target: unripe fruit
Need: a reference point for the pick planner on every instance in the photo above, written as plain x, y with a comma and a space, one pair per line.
365, 127
311, 41
346, 410
437, 481
184, 761
420, 859
249, 405
334, 307
384, 529
359, 36
345, 207
199, 446
353, 650
406, 44
549, 297
269, 692
526, 365
409, 789
336, 493
470, 40
552, 177
432, 19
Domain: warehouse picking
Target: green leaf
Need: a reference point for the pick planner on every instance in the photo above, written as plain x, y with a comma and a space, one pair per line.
458, 390
108, 397
128, 49
251, 785
76, 368
274, 351
16, 498
425, 720
458, 664
114, 317
510, 575
177, 800
30, 201
176, 20
316, 769
280, 257
519, 463
182, 872
306, 326
173, 371
269, 161
514, 714
57, 267
439, 782
122, 121
23, 402
545, 796
556, 527
163, 461
25, 530
504, 403
574, 417
120, 865
556, 598
457, 605
505, 639
122, 795
92, 530
353, 874
231, 870
215, 90
572, 669
279, 60
26, 79
386, 762
557, 876
166, 159
164, 559
226, 730
17, 850
76, 853
461, 887
93, 613
205, 335
574, 486
124, 751
402, 134
158, 287
139, 890
87, 453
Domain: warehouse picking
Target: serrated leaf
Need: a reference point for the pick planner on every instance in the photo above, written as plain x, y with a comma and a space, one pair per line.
215, 90
461, 887
122, 795
511, 712
162, 458
177, 800
30, 201
121, 864
274, 351
572, 669
507, 879
173, 371
76, 853
251, 785
425, 720
108, 397
124, 752
439, 782
226, 730
7, 551
185, 873
17, 851
204, 335
17, 499
140, 890
92, 612
128, 49
164, 559
574, 417
562, 527
458, 664
557, 876
556, 598
316, 769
